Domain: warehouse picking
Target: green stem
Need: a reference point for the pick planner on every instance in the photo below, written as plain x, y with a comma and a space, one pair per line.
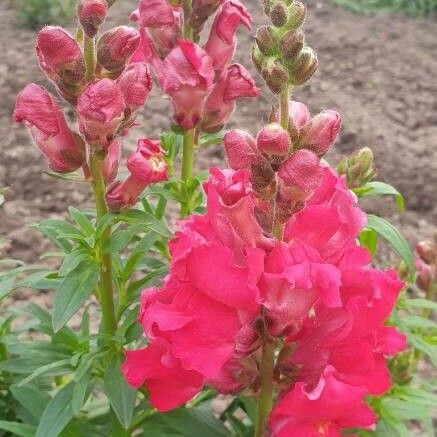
187, 165
106, 290
187, 31
265, 399
284, 103
89, 50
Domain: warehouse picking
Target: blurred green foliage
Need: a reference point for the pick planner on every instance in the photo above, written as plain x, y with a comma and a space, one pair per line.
411, 7
37, 13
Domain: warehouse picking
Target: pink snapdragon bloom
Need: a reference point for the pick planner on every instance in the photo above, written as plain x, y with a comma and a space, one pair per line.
222, 40
147, 166
115, 48
60, 56
154, 13
135, 83
92, 14
100, 109
234, 84
322, 412
64, 149
186, 75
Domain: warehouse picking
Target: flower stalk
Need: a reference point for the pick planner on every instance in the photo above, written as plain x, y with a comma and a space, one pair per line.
187, 164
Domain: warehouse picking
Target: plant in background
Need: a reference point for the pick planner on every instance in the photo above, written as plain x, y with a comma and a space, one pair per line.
38, 13
265, 292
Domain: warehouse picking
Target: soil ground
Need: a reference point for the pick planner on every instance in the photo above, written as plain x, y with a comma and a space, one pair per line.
379, 72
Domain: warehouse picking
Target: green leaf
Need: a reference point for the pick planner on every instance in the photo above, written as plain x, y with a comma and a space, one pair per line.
82, 221
381, 188
81, 390
57, 414
136, 216
185, 422
17, 428
32, 399
394, 238
413, 321
421, 303
120, 239
369, 239
120, 395
75, 289
63, 364
211, 139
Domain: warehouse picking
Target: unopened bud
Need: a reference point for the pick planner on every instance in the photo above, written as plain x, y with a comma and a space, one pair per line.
265, 39
427, 250
291, 44
273, 140
257, 59
304, 67
296, 15
92, 14
357, 167
321, 132
279, 14
275, 75
116, 46
267, 6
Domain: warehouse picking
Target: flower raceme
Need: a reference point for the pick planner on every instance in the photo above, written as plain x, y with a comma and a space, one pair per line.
200, 81
314, 290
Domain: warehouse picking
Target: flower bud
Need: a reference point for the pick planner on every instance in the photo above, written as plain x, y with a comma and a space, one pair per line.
111, 162
291, 44
427, 250
91, 14
64, 149
273, 140
301, 170
275, 75
135, 83
299, 117
357, 167
257, 59
279, 14
241, 150
321, 132
116, 46
426, 274
304, 67
155, 13
266, 40
296, 15
60, 56
100, 110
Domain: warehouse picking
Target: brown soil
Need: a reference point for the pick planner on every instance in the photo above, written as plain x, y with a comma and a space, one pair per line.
379, 72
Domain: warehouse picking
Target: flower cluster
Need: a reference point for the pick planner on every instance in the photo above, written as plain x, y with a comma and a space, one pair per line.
201, 81
313, 294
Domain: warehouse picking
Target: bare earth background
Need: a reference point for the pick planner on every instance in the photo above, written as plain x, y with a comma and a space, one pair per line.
379, 72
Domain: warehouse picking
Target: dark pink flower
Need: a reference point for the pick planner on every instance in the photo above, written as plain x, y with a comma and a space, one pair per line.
322, 412
222, 39
170, 385
135, 83
154, 13
299, 117
234, 83
147, 166
116, 46
92, 14
321, 132
187, 76
59, 55
100, 110
64, 149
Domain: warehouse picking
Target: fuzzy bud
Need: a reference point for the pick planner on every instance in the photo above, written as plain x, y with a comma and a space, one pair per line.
321, 132
241, 150
296, 15
357, 167
257, 59
273, 140
304, 67
427, 251
92, 14
135, 83
291, 44
279, 14
275, 75
116, 46
111, 162
299, 117
266, 40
